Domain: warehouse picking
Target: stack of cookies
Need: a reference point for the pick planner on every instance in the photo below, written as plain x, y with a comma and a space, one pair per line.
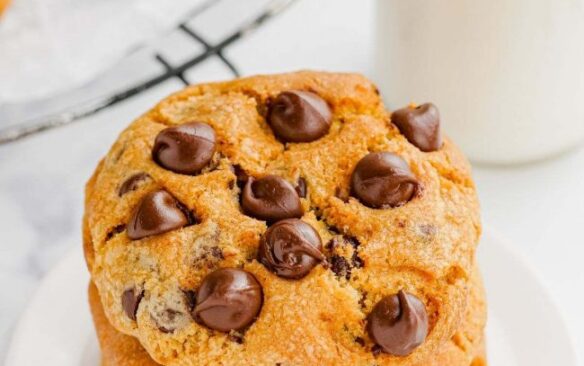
285, 220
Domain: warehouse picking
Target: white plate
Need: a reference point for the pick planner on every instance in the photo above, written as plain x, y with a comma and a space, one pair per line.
525, 328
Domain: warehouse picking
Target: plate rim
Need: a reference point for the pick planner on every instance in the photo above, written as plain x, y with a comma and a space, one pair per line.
506, 245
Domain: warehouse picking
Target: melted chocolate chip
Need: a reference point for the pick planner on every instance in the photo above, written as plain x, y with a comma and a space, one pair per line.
207, 257
352, 241
376, 350
191, 299
340, 266
299, 116
382, 180
270, 198
290, 248
130, 300
169, 320
356, 261
301, 187
217, 252
240, 175
132, 183
360, 341
228, 299
363, 298
184, 149
398, 323
236, 337
157, 213
334, 230
332, 244
420, 125
116, 230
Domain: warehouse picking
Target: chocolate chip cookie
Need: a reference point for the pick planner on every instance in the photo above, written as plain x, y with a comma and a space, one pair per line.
286, 220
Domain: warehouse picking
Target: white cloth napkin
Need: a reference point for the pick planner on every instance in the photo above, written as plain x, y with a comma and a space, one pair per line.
50, 46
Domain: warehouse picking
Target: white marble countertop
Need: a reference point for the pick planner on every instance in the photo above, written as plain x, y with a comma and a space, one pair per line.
539, 207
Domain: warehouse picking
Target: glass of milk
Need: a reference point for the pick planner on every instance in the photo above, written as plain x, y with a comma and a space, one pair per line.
507, 75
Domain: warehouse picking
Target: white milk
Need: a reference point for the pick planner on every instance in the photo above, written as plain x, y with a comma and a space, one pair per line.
507, 75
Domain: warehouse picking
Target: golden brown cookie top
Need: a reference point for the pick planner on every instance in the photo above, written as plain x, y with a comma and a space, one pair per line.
360, 219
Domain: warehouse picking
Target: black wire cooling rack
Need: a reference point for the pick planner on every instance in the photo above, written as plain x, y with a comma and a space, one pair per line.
22, 129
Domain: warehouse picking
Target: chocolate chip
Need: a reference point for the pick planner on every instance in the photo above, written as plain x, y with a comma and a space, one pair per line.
382, 180
236, 337
332, 244
340, 266
301, 187
228, 299
132, 183
356, 261
363, 298
172, 320
290, 248
130, 300
420, 125
207, 257
270, 198
299, 116
398, 323
191, 299
334, 230
217, 252
185, 149
240, 175
352, 241
376, 350
113, 232
157, 213
360, 341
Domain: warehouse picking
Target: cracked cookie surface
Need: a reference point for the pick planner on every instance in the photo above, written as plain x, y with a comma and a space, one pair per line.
423, 245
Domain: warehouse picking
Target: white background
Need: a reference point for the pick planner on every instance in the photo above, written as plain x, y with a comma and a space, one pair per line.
539, 207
